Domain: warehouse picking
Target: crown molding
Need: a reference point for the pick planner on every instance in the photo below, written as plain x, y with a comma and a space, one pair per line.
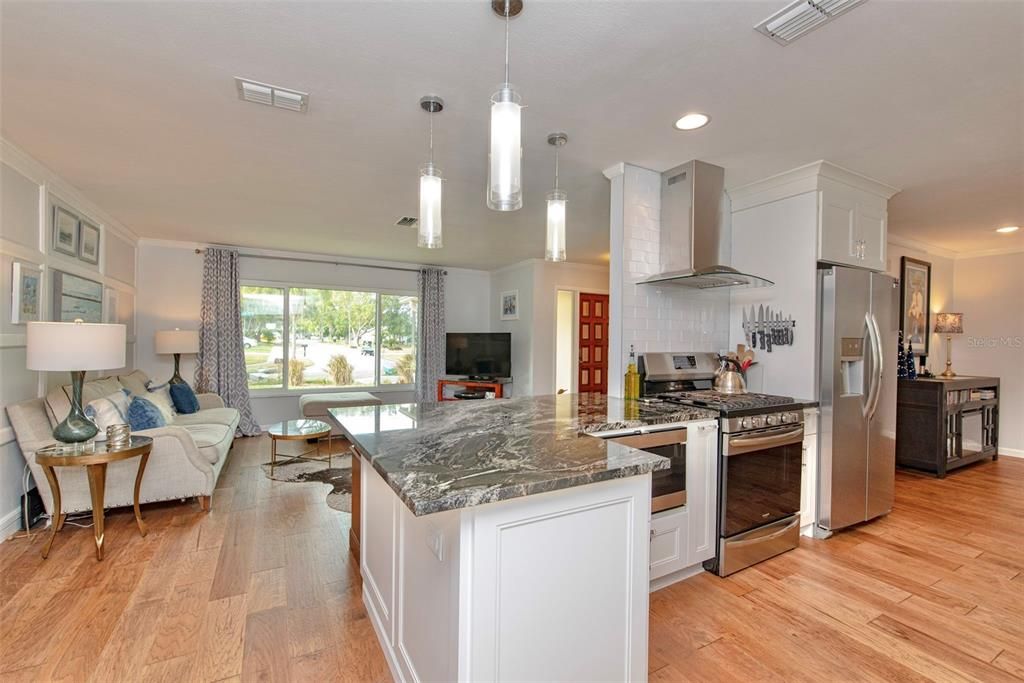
614, 171
803, 179
918, 245
1019, 249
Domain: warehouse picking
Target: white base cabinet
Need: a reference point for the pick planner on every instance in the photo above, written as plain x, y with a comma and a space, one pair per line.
552, 586
682, 538
809, 473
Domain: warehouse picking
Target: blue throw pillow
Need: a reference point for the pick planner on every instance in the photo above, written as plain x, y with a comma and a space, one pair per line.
142, 414
185, 401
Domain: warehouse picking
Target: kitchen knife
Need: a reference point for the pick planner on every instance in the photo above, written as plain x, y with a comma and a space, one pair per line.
760, 323
746, 329
753, 329
771, 328
791, 335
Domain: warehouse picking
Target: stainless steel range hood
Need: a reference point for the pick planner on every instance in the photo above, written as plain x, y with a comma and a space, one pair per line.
696, 227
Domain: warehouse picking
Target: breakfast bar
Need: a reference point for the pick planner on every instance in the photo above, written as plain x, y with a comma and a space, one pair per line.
499, 540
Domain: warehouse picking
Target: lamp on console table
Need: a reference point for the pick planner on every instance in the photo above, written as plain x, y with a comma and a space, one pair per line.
949, 324
177, 341
77, 347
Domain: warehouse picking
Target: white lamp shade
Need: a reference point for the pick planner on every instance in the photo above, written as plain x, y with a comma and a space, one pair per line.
555, 247
75, 346
505, 165
177, 341
430, 207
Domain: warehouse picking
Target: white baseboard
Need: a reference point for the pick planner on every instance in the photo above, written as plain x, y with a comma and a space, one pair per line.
10, 524
1012, 452
677, 576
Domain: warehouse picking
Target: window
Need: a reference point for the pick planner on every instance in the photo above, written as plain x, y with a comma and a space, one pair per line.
331, 338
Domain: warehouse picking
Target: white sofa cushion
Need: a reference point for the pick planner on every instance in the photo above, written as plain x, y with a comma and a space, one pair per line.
220, 416
160, 396
107, 411
58, 400
134, 382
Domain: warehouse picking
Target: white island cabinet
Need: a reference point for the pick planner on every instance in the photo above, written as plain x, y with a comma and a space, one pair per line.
499, 541
550, 587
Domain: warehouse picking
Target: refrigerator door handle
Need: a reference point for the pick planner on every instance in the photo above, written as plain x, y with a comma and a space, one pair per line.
878, 364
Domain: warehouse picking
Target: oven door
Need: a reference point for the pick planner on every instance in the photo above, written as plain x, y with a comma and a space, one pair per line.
668, 487
761, 477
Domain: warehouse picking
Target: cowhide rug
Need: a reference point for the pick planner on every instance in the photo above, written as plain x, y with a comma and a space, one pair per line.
338, 477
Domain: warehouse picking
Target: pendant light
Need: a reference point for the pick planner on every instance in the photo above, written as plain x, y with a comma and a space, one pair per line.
430, 185
555, 249
505, 159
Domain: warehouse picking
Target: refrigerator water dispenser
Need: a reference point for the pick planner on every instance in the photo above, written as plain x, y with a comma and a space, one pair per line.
851, 366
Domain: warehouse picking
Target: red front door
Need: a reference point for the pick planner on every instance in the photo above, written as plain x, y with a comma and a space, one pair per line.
593, 373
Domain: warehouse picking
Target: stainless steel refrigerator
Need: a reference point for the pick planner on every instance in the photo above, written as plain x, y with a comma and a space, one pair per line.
857, 340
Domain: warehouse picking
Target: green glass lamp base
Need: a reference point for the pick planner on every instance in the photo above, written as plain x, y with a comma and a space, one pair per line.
76, 427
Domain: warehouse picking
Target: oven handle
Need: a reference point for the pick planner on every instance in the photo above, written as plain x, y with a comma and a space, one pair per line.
764, 537
737, 445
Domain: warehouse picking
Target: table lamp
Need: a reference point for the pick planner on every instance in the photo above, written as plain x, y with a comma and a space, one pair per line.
949, 324
77, 347
177, 341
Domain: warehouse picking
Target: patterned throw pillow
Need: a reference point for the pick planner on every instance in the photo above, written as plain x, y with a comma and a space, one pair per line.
143, 414
109, 410
185, 401
160, 396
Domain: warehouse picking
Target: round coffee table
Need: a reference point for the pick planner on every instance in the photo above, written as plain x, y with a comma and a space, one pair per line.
299, 430
94, 456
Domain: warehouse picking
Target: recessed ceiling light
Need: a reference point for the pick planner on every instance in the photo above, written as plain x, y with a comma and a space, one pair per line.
1008, 228
692, 121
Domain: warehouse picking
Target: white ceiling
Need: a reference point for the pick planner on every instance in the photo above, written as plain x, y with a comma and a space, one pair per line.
135, 104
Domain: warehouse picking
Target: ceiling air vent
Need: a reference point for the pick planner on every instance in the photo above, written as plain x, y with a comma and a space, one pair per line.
271, 95
407, 222
801, 17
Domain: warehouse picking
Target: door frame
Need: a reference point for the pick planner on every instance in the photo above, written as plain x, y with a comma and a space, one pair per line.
576, 291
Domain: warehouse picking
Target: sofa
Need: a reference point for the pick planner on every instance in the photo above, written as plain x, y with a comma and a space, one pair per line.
187, 457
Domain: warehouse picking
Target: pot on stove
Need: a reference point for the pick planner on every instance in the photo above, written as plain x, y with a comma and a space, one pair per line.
729, 378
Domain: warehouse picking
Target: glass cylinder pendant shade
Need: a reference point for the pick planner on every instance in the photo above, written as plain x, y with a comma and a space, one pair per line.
555, 250
430, 207
505, 168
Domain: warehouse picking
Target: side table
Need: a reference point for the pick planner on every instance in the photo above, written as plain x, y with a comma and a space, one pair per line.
94, 456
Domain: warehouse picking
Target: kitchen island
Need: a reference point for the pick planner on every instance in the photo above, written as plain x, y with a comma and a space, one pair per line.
500, 541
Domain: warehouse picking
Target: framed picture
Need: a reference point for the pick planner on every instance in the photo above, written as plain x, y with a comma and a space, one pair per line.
88, 242
75, 297
65, 231
915, 302
510, 305
27, 288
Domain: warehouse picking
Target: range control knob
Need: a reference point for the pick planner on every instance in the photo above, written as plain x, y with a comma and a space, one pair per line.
744, 423
786, 418
771, 420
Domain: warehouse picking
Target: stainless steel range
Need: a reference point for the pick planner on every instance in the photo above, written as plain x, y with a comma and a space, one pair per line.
759, 464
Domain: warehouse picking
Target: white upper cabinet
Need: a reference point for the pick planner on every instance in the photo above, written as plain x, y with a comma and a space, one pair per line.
852, 210
851, 226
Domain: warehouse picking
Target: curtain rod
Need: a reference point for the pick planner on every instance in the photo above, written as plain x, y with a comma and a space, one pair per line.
329, 263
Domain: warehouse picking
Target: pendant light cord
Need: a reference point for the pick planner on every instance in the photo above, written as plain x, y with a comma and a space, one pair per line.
556, 167
508, 4
431, 117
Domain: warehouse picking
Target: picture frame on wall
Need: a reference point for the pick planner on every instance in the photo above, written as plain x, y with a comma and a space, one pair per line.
65, 231
26, 289
915, 303
76, 297
89, 242
510, 305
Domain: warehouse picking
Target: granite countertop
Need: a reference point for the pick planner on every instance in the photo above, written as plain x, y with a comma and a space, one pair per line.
457, 454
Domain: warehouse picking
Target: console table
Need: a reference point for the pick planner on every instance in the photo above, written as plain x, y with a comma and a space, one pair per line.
497, 386
943, 424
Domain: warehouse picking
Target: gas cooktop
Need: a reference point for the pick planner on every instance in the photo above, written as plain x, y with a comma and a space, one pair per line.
731, 404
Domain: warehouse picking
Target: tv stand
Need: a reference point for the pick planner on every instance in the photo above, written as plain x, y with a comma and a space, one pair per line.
495, 385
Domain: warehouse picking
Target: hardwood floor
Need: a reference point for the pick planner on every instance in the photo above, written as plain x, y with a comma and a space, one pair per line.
263, 587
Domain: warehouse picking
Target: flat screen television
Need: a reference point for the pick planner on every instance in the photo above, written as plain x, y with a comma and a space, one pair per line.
479, 354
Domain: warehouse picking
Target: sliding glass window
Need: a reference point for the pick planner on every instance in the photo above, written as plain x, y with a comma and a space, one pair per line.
331, 338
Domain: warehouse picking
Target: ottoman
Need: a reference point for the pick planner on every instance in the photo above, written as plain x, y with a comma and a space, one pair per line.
315, 405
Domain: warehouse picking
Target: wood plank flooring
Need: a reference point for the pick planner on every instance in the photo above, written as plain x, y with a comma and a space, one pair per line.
263, 588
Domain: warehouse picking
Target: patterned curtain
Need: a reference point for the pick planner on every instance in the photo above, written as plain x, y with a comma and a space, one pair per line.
220, 366
430, 349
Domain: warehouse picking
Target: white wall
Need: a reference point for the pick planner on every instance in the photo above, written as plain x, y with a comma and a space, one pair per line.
27, 193
517, 277
651, 318
170, 292
989, 291
769, 240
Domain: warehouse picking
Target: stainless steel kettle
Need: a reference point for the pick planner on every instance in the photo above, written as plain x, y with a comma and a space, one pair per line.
728, 378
